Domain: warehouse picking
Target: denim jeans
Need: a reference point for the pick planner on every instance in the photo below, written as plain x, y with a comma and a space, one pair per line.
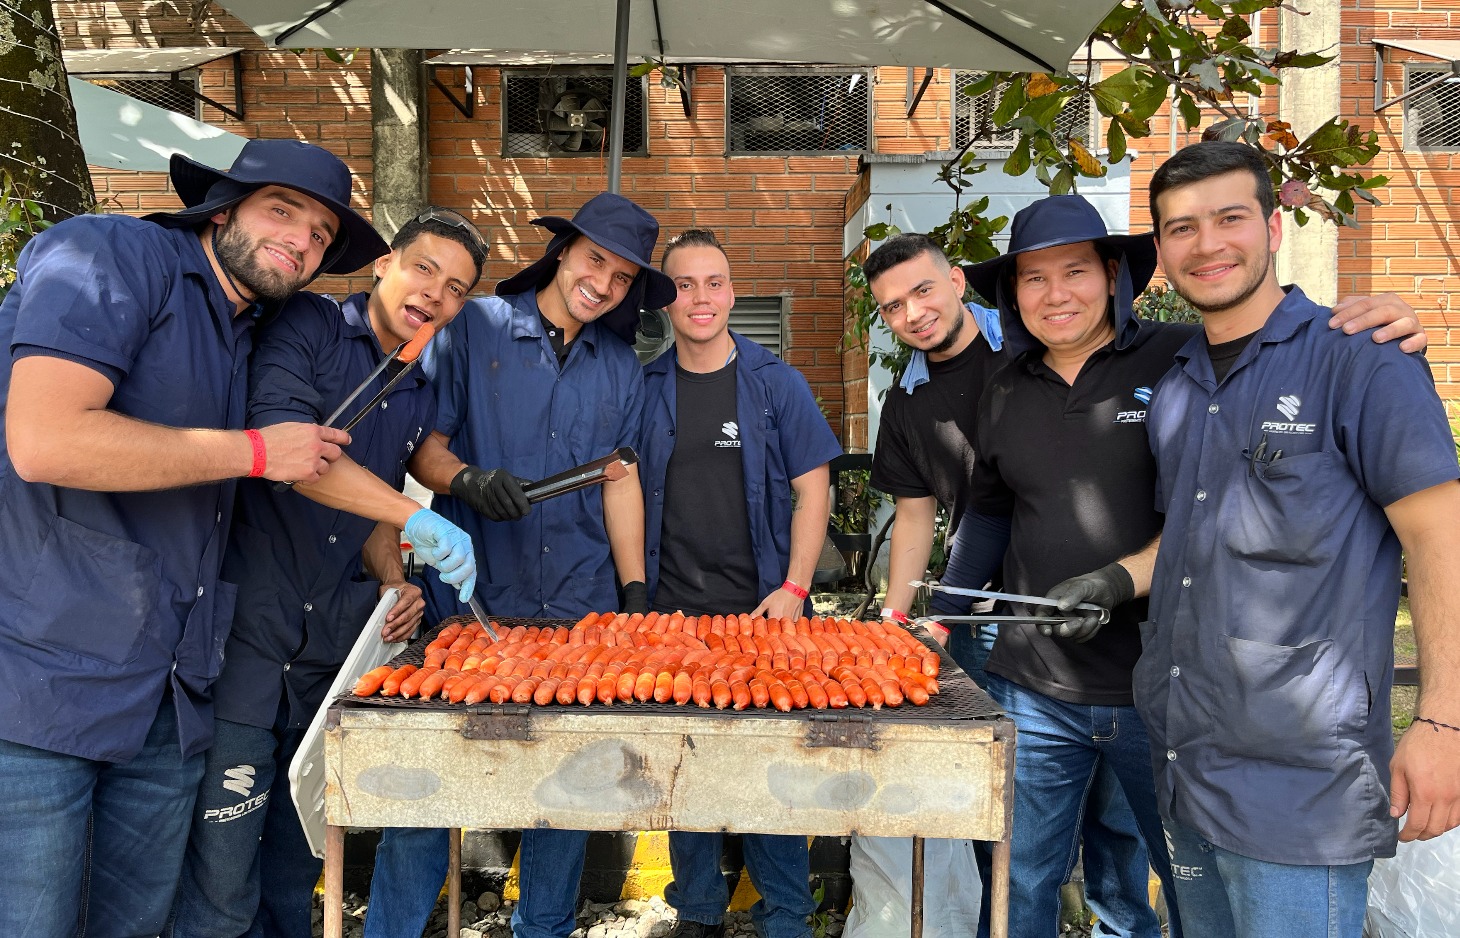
94, 847
410, 866
248, 869
969, 647
780, 869
1223, 893
1061, 748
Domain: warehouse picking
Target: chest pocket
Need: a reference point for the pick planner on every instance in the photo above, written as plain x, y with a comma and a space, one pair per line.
1283, 512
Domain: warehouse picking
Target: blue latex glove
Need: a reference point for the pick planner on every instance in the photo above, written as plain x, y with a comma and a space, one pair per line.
446, 547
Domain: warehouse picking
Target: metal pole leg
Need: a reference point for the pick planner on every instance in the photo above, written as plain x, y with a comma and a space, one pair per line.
453, 883
917, 887
999, 926
334, 881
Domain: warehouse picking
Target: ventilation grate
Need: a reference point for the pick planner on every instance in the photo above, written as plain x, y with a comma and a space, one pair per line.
1432, 117
797, 110
175, 95
973, 117
567, 114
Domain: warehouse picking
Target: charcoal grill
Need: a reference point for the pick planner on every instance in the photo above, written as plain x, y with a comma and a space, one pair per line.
940, 770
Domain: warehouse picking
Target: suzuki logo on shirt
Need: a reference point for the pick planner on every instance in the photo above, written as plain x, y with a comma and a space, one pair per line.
1143, 397
1288, 406
732, 435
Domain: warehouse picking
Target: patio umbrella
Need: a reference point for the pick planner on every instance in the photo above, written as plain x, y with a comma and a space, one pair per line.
990, 35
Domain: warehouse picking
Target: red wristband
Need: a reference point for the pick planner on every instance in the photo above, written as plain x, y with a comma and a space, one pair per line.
260, 458
896, 615
794, 590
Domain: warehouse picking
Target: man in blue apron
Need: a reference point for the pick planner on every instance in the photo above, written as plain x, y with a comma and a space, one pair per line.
124, 388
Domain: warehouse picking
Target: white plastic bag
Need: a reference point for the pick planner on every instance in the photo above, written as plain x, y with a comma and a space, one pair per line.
1416, 894
882, 892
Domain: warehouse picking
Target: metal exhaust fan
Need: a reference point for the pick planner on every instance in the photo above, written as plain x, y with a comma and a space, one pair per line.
577, 121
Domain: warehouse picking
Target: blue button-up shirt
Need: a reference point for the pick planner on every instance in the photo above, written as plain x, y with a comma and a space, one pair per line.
303, 595
109, 597
504, 401
1265, 677
782, 436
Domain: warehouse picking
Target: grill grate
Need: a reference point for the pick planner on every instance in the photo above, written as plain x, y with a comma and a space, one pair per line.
1432, 117
959, 697
973, 117
566, 114
161, 91
797, 110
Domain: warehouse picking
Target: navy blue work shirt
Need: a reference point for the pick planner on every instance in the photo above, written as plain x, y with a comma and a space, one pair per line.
1267, 664
504, 401
110, 598
782, 436
303, 594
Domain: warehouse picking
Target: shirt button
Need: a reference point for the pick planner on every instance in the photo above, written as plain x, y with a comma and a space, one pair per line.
1186, 581
1201, 495
1175, 671
553, 434
200, 591
546, 550
286, 666
1171, 755
219, 519
309, 607
1212, 408
656, 493
384, 404
333, 538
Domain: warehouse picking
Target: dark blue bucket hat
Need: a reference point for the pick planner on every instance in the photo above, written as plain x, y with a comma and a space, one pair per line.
615, 224
304, 167
1058, 220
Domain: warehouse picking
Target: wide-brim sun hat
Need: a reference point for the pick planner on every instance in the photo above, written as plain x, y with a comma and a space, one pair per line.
1058, 220
617, 225
293, 164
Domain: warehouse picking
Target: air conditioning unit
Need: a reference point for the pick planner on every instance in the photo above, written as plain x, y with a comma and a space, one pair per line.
566, 113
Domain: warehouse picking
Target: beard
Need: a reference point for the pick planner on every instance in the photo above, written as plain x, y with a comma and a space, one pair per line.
951, 339
1220, 303
239, 256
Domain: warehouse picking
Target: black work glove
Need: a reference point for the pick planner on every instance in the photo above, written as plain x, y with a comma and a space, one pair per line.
1107, 587
636, 598
497, 493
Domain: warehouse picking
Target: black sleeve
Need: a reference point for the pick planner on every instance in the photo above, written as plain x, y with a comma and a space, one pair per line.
894, 468
974, 558
990, 494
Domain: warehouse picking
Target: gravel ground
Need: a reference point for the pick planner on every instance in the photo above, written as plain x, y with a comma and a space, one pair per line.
487, 917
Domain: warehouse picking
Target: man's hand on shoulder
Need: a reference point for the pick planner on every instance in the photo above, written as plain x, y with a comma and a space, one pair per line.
1394, 318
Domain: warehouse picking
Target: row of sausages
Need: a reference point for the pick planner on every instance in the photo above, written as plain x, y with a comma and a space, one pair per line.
720, 661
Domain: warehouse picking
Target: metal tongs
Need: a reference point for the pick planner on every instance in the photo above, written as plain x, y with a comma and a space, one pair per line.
1008, 597
608, 468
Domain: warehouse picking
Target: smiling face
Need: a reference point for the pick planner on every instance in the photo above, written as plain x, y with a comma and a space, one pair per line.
589, 282
703, 295
272, 242
1216, 243
1064, 297
424, 281
921, 300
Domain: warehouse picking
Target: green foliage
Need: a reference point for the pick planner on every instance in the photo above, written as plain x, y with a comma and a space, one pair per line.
819, 919
1162, 303
21, 218
857, 502
340, 56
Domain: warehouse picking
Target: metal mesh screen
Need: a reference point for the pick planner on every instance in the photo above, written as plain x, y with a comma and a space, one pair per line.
567, 113
1432, 117
797, 110
161, 91
973, 117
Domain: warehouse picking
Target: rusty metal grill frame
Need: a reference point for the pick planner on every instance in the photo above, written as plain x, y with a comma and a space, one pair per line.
959, 698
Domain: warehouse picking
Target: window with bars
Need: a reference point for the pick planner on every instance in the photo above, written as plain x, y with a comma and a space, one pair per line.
973, 117
172, 94
759, 318
797, 110
1432, 117
567, 113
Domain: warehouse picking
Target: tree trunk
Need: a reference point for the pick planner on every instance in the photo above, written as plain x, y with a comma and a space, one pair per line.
45, 158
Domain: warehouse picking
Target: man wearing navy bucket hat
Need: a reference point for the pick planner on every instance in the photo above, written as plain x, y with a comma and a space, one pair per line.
1063, 463
124, 388
538, 379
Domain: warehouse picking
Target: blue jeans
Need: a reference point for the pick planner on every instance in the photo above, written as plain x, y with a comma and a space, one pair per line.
1223, 893
94, 845
779, 866
1060, 750
410, 866
969, 647
248, 869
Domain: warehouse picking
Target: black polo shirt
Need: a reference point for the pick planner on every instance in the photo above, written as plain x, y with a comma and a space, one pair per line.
923, 440
1072, 466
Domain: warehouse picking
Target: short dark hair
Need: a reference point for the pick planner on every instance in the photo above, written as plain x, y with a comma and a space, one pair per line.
690, 238
899, 249
443, 223
1209, 158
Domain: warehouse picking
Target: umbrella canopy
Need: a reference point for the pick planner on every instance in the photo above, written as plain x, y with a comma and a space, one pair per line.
1027, 35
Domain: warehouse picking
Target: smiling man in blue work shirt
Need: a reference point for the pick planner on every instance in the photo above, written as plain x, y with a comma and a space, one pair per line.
123, 387
1293, 467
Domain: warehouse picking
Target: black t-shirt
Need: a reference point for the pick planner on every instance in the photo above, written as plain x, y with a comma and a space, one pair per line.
924, 439
561, 346
1073, 468
1225, 354
706, 565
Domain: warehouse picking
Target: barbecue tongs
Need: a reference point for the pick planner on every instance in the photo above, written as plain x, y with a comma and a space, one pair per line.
1006, 597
